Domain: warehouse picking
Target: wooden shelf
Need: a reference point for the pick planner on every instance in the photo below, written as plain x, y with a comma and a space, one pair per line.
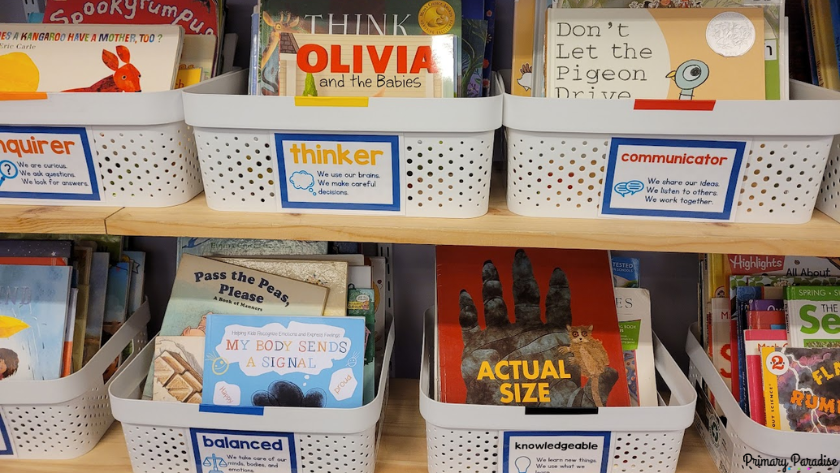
403, 447
48, 219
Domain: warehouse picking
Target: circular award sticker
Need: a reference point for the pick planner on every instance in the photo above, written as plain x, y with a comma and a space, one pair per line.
436, 17
730, 34
777, 364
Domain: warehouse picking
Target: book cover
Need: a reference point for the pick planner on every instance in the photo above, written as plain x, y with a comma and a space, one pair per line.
33, 312
754, 342
178, 369
633, 308
284, 361
136, 288
490, 18
544, 311
812, 319
824, 50
96, 304
37, 248
88, 58
361, 303
116, 297
113, 244
721, 321
765, 305
382, 290
83, 259
638, 53
196, 17
473, 42
232, 247
33, 261
625, 271
360, 276
775, 265
522, 80
766, 319
199, 52
361, 66
802, 388
69, 324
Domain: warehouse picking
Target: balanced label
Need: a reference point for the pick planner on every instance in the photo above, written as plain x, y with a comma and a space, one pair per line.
244, 452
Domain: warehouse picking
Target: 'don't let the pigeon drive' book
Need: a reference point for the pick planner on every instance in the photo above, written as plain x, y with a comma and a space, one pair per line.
284, 361
33, 310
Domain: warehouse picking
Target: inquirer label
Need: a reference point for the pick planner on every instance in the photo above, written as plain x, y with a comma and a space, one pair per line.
47, 163
5, 441
555, 452
228, 451
677, 179
339, 172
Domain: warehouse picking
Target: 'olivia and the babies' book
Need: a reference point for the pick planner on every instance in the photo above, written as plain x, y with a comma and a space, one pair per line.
284, 361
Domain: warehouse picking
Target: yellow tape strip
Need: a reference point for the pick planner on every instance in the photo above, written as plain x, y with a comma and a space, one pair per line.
23, 95
331, 101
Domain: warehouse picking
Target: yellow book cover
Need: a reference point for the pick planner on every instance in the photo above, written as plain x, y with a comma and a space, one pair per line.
824, 52
685, 54
523, 48
771, 390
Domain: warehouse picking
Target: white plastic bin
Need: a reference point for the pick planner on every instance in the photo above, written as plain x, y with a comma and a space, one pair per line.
445, 148
739, 437
558, 150
65, 418
160, 434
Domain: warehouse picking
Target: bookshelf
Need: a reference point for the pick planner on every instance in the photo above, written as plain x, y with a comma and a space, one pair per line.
48, 219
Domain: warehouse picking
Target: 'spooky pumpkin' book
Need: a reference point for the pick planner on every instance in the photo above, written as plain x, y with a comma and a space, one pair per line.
812, 319
547, 335
88, 58
196, 17
33, 311
284, 361
802, 388
636, 53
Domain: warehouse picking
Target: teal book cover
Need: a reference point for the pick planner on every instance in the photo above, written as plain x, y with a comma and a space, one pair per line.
284, 361
33, 309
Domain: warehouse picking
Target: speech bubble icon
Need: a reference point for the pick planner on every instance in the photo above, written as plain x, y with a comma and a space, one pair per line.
225, 394
302, 180
342, 384
621, 189
635, 186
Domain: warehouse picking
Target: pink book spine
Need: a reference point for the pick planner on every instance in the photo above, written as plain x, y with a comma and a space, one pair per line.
754, 340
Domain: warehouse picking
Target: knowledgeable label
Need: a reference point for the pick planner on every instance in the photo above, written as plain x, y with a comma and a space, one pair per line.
222, 451
46, 163
676, 179
339, 172
554, 452
5, 441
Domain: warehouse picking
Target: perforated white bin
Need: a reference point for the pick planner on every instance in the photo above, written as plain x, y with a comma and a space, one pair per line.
445, 148
160, 434
466, 437
128, 150
64, 418
558, 150
741, 444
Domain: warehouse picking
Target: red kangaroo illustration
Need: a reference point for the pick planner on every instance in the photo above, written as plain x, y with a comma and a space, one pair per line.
124, 79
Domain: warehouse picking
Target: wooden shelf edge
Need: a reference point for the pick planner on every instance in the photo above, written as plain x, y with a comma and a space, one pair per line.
55, 219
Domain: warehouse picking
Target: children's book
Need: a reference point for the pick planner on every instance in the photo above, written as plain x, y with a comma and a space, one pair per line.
754, 341
763, 305
69, 324
33, 313
379, 276
83, 256
812, 319
199, 52
638, 53
36, 248
116, 298
625, 271
179, 367
96, 304
233, 247
88, 58
720, 337
773, 265
802, 388
544, 313
522, 67
361, 303
766, 319
33, 261
284, 361
113, 244
633, 307
200, 18
136, 288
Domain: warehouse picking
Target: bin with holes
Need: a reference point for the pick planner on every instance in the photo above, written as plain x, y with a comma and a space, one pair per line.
469, 437
434, 154
175, 437
65, 418
107, 149
735, 441
558, 150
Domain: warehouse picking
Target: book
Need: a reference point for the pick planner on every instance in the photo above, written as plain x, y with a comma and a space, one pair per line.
776, 265
36, 248
113, 244
188, 77
360, 276
360, 66
116, 298
246, 247
764, 305
96, 304
801, 388
382, 297
88, 58
766, 319
361, 303
199, 52
136, 288
83, 259
721, 325
754, 342
33, 313
625, 271
33, 261
638, 53
522, 80
199, 18
490, 18
473, 42
474, 351
254, 58
824, 50
178, 369
284, 361
812, 319
633, 308
69, 324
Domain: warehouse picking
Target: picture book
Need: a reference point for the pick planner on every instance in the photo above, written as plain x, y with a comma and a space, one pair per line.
812, 319
625, 271
116, 297
720, 337
473, 42
767, 304
360, 276
136, 288
33, 312
766, 319
33, 261
634, 324
246, 247
36, 248
801, 388
69, 324
83, 259
199, 52
88, 58
301, 64
754, 341
546, 337
360, 303
794, 266
743, 295
382, 297
113, 244
638, 53
178, 369
284, 361
96, 304
522, 67
329, 274
200, 18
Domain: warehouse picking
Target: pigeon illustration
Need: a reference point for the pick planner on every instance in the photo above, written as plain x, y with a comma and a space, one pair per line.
688, 76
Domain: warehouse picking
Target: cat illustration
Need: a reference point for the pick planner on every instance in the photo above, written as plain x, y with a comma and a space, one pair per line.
589, 354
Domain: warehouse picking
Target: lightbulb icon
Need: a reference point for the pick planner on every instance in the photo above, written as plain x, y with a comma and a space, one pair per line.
522, 464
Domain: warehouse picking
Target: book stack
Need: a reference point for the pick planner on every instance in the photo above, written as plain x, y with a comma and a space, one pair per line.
61, 300
270, 323
771, 327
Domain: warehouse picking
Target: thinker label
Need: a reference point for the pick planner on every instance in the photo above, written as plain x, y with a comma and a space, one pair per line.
555, 452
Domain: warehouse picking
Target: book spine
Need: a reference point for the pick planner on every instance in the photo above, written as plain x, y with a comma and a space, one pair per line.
756, 390
790, 321
743, 398
834, 6
733, 354
522, 74
254, 66
771, 394
827, 67
721, 322
812, 60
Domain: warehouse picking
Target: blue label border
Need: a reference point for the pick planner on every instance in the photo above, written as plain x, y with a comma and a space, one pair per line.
58, 130
396, 179
506, 437
4, 434
738, 146
197, 454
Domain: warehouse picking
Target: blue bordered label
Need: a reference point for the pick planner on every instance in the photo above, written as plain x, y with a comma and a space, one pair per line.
668, 178
223, 451
555, 452
5, 441
47, 163
339, 172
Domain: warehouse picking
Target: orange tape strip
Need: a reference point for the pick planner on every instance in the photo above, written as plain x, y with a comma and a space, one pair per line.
23, 96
